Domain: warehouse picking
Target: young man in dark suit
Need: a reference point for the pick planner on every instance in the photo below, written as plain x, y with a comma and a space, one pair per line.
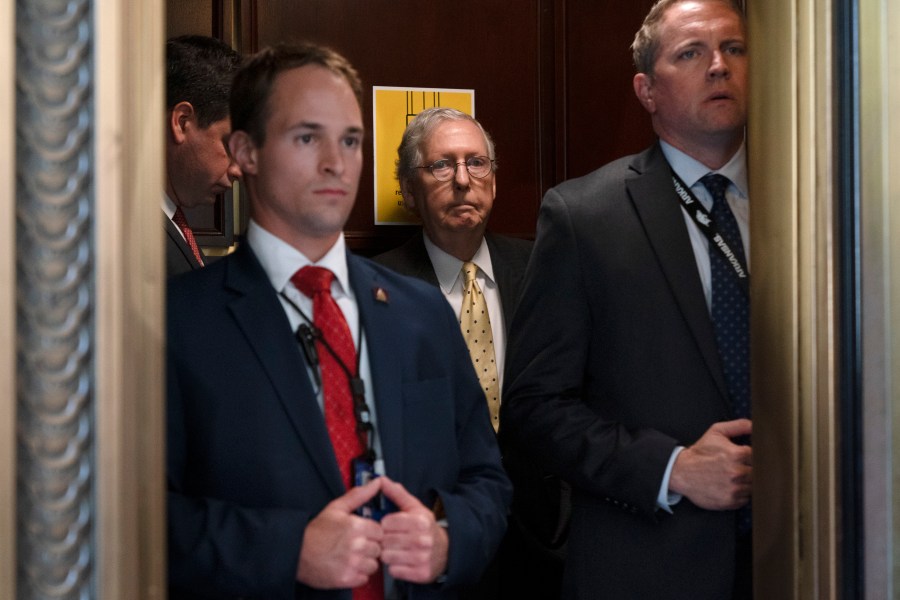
446, 168
312, 391
199, 70
628, 375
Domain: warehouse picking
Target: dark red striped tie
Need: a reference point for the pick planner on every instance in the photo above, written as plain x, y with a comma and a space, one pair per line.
181, 222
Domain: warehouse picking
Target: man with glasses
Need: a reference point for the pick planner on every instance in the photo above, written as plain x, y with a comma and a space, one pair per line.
447, 174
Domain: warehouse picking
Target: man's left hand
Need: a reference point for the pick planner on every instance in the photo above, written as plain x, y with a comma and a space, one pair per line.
414, 546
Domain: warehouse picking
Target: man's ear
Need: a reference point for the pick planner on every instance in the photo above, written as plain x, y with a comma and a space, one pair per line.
243, 151
643, 89
179, 118
409, 200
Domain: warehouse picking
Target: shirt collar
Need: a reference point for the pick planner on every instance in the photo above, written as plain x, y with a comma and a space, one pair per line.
168, 205
280, 260
690, 170
448, 267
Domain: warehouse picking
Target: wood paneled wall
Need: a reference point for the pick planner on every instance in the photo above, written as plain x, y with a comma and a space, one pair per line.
552, 79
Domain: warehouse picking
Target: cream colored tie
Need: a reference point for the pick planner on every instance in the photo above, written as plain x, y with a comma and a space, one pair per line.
476, 329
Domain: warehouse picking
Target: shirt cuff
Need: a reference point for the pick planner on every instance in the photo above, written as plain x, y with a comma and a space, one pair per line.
665, 500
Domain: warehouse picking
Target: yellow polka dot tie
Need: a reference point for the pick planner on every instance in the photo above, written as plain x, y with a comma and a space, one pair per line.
476, 328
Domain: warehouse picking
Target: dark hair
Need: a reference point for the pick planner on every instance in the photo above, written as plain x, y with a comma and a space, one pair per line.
646, 40
253, 82
199, 70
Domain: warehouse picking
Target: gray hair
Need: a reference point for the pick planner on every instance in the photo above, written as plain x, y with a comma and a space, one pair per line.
646, 40
420, 128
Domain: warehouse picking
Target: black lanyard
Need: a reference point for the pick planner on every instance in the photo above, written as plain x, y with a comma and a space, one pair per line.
704, 221
308, 334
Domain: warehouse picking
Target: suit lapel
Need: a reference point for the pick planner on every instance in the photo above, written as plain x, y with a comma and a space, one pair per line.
419, 263
261, 318
179, 242
653, 196
380, 322
509, 278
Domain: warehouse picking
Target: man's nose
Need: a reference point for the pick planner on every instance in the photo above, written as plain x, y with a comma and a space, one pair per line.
718, 67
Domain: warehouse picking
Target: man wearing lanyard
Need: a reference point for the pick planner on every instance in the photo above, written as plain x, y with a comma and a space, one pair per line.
628, 369
308, 372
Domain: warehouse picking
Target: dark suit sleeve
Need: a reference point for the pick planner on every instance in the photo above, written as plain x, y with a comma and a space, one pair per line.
219, 548
476, 506
436, 433
553, 408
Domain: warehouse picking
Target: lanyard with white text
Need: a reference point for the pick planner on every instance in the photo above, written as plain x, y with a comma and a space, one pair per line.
704, 221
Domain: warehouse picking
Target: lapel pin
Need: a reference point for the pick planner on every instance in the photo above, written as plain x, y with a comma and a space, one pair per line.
380, 294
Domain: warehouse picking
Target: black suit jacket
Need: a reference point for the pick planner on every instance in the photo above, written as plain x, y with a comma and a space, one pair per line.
249, 458
530, 560
509, 257
179, 257
612, 363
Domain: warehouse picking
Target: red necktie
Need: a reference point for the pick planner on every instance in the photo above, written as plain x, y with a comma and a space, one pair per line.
181, 222
315, 283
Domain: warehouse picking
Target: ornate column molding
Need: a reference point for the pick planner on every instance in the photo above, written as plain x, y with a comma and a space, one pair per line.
54, 296
85, 517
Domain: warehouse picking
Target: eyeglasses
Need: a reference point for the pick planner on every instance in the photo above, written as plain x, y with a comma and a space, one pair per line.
445, 169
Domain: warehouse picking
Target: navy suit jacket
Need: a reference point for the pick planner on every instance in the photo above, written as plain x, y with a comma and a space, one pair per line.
249, 459
179, 257
612, 363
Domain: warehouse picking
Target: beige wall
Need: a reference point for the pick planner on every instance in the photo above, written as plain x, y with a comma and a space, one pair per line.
7, 302
793, 254
129, 271
880, 257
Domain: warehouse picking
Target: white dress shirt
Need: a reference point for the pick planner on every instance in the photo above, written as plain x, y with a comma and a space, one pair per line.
280, 261
691, 171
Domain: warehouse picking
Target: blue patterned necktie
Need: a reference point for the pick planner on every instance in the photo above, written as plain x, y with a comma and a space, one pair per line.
730, 313
730, 306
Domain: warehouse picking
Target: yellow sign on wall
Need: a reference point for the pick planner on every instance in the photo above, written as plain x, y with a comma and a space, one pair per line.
392, 109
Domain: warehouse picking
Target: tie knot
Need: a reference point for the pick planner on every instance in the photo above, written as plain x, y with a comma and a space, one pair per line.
716, 184
313, 280
469, 270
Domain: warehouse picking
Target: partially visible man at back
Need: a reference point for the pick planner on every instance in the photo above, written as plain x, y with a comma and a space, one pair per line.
199, 71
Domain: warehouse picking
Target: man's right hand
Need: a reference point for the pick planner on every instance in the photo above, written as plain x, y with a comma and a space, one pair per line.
341, 549
715, 473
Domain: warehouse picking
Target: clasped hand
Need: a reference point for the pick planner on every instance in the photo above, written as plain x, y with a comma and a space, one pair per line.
715, 473
342, 550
